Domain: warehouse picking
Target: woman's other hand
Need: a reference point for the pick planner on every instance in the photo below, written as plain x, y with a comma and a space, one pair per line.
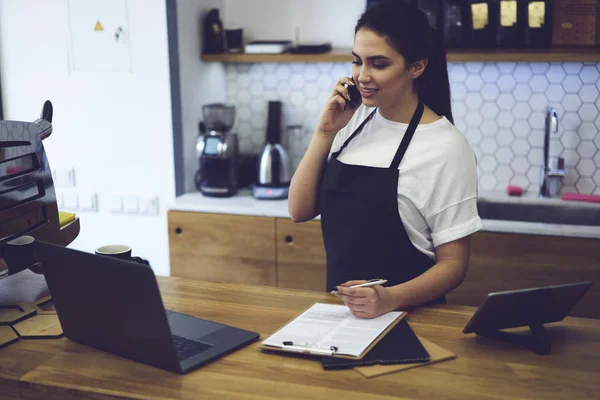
366, 302
337, 113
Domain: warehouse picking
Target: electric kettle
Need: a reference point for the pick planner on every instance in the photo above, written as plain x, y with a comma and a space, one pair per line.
274, 169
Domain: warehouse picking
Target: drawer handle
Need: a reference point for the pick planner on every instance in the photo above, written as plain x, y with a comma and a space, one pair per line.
288, 239
178, 231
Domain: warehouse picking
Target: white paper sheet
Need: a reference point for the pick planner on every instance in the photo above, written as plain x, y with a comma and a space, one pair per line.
326, 325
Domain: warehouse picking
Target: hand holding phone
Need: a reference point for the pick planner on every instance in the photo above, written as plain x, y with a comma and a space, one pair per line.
336, 113
354, 95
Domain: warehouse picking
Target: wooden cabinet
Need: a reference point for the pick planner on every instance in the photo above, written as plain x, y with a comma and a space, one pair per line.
217, 247
277, 252
246, 249
502, 261
300, 255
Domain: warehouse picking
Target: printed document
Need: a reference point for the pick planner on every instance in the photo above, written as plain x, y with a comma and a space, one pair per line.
325, 325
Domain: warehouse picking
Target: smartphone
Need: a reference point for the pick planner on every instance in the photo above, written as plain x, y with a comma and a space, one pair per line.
354, 96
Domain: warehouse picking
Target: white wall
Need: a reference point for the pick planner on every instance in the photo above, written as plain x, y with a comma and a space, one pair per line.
113, 128
200, 83
318, 20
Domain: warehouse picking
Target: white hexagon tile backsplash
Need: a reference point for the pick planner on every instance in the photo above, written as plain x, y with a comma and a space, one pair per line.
498, 106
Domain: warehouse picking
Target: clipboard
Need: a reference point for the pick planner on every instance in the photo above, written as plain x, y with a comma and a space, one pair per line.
436, 354
399, 346
323, 347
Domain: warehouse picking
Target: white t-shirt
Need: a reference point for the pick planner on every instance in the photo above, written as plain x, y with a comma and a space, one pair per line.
437, 187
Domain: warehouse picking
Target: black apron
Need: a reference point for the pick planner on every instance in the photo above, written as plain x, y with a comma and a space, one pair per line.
363, 234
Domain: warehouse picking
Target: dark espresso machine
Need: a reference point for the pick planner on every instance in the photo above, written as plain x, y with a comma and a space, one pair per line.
218, 151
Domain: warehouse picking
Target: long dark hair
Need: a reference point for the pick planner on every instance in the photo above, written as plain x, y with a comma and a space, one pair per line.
407, 30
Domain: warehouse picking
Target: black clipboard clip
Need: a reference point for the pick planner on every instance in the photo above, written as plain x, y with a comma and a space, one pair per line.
310, 348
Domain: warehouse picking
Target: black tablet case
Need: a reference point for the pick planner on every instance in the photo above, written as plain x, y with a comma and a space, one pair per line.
399, 346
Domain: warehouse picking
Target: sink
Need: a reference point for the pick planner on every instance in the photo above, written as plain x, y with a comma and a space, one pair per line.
563, 214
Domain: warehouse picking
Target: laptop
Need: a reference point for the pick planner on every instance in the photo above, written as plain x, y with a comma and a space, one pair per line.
115, 305
526, 307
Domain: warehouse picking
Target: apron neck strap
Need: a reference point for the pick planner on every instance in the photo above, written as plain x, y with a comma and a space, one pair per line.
412, 127
356, 132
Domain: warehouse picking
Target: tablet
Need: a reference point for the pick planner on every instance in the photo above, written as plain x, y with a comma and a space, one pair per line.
526, 307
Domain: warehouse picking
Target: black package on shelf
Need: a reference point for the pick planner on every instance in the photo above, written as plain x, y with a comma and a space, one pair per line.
214, 40
537, 23
509, 21
481, 29
454, 23
372, 3
433, 10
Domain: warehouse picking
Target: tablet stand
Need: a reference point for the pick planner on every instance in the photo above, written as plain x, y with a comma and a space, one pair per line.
539, 341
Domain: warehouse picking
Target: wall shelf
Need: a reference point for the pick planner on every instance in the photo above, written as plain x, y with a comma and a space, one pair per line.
455, 55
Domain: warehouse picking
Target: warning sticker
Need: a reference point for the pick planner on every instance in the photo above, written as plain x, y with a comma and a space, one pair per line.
98, 26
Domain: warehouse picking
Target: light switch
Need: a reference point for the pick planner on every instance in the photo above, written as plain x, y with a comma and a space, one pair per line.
64, 178
71, 177
70, 200
59, 201
115, 203
130, 204
148, 205
88, 202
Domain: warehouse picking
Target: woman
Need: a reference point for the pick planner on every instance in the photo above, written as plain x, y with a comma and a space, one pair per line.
390, 210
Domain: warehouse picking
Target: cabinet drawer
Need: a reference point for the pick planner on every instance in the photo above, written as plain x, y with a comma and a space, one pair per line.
300, 255
226, 248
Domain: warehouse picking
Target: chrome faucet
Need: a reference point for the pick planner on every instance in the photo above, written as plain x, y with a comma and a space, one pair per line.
553, 168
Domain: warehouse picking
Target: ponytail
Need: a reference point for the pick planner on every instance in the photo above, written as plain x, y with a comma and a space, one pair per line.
433, 86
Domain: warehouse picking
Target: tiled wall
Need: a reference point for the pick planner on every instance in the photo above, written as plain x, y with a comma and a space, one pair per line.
498, 106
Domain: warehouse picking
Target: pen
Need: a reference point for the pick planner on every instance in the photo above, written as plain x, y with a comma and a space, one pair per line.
371, 282
306, 348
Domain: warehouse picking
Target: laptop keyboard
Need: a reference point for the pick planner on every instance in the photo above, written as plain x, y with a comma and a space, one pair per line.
185, 348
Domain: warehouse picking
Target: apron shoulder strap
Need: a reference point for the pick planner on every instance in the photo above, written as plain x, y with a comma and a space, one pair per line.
356, 132
410, 131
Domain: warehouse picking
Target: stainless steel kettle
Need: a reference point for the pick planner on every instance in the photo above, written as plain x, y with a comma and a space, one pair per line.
274, 168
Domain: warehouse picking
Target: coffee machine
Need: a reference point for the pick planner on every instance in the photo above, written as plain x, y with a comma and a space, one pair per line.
218, 151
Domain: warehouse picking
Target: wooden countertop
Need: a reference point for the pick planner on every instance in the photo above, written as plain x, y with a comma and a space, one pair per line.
484, 369
244, 204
